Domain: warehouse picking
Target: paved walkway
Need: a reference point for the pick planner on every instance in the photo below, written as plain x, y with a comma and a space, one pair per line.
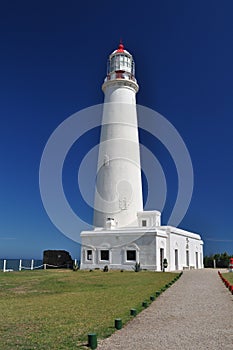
193, 314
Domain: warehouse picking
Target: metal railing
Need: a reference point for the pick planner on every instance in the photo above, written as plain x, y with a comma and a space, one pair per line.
120, 75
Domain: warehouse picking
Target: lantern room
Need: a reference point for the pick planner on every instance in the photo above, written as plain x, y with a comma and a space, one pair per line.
121, 65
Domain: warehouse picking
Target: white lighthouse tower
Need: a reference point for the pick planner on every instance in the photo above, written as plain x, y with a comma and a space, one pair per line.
123, 233
118, 195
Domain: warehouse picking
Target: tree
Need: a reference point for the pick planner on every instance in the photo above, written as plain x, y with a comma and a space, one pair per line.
221, 260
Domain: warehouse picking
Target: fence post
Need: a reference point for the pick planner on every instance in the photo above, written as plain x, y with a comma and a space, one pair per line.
20, 265
4, 265
44, 266
32, 264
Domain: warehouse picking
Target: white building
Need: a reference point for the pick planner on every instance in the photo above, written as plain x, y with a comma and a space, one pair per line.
123, 233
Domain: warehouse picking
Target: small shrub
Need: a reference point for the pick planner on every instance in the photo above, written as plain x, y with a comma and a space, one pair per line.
105, 269
75, 267
165, 264
137, 267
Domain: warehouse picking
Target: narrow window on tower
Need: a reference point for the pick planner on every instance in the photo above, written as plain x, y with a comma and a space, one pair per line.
89, 254
104, 255
143, 223
106, 160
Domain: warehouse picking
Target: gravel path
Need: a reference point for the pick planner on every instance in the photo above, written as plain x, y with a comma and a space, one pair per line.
194, 313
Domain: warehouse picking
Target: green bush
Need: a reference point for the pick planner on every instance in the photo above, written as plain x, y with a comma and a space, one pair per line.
105, 269
137, 267
221, 260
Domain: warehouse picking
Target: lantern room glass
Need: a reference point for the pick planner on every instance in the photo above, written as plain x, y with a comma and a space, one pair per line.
120, 62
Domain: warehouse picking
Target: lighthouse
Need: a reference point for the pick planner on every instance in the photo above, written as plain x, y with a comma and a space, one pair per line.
123, 233
118, 195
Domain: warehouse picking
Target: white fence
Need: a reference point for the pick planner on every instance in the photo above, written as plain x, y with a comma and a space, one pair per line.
20, 266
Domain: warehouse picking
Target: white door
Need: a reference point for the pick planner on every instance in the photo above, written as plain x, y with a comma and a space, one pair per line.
197, 266
161, 258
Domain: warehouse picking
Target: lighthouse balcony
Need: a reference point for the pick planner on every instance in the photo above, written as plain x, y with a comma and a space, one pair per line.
120, 75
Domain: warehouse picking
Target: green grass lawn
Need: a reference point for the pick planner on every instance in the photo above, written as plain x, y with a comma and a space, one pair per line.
56, 309
228, 276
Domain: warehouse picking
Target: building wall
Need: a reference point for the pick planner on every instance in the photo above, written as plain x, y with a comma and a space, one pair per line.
184, 252
118, 244
148, 247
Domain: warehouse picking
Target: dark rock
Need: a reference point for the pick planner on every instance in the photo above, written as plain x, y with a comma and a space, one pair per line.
57, 258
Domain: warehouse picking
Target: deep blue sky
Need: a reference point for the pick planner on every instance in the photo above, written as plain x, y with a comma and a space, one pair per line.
53, 62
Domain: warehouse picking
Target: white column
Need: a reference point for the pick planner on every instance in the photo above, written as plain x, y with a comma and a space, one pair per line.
32, 264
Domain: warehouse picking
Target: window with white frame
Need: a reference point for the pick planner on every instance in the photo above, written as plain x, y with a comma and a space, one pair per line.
104, 255
89, 254
131, 255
